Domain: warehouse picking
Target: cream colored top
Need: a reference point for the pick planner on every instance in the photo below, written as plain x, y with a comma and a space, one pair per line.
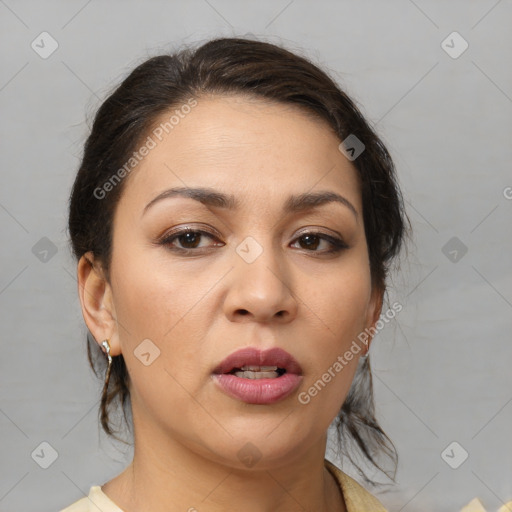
357, 498
475, 505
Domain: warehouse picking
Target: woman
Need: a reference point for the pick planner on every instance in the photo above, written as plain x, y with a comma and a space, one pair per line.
233, 219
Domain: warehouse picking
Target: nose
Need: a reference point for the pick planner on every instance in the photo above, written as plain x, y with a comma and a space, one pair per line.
260, 291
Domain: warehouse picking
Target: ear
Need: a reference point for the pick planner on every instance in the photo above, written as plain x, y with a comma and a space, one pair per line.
97, 302
374, 311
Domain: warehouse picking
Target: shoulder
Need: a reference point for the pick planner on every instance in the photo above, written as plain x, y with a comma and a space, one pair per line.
81, 505
357, 498
96, 500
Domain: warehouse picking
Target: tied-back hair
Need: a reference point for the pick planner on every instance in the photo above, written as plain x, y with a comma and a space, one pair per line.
255, 69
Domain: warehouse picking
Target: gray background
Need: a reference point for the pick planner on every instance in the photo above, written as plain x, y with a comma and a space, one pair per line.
442, 370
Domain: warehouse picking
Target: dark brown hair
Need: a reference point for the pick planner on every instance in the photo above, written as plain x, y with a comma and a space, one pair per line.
263, 70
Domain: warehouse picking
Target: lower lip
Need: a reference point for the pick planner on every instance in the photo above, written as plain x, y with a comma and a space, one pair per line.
258, 391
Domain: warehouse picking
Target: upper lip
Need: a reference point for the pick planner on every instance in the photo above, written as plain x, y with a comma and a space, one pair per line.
255, 357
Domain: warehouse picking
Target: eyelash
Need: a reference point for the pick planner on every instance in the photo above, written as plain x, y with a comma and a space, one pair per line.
337, 244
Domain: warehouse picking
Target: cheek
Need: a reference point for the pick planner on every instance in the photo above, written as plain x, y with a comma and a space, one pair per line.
160, 312
151, 300
342, 300
163, 384
339, 308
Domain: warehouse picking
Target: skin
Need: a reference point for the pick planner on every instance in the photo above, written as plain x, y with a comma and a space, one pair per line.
198, 308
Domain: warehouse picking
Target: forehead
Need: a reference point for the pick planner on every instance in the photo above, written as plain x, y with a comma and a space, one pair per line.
245, 146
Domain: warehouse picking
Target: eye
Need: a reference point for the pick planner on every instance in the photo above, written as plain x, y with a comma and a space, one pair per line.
312, 240
188, 239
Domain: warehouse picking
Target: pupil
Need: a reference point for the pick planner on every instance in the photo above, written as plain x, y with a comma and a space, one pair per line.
190, 238
311, 241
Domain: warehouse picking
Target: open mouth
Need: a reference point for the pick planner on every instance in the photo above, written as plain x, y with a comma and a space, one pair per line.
258, 372
258, 377
252, 363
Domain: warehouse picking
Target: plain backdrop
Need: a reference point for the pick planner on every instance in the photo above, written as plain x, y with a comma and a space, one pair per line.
443, 383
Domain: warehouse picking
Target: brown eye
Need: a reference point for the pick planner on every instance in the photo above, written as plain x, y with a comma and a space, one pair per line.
312, 241
188, 240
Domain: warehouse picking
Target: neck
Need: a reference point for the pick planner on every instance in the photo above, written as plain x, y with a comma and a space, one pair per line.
165, 475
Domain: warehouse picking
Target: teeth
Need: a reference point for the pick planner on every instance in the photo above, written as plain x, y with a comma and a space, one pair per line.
249, 374
259, 368
258, 372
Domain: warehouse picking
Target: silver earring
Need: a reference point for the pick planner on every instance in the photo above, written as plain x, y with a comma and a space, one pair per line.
106, 346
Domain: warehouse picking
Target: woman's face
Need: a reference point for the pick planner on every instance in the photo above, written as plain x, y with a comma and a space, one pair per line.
254, 278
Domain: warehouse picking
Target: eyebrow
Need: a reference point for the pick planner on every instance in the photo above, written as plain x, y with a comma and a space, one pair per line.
213, 198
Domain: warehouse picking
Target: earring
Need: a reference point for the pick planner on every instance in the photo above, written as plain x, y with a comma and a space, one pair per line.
106, 346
